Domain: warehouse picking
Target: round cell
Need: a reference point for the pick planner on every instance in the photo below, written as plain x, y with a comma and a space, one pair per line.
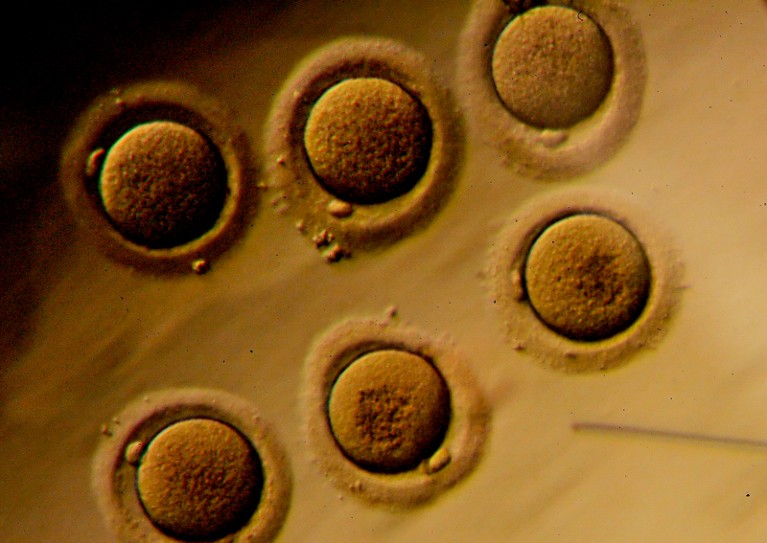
199, 480
389, 410
162, 184
552, 66
368, 141
587, 277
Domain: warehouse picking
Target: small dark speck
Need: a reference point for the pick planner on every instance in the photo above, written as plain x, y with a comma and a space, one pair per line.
748, 495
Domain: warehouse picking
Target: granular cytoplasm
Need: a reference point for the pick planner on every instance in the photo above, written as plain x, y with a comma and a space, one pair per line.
162, 184
191, 465
160, 177
584, 280
389, 410
555, 88
368, 140
393, 414
199, 480
552, 66
587, 277
364, 142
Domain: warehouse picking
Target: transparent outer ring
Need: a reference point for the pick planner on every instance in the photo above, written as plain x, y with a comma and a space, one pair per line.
113, 114
299, 194
542, 152
524, 328
114, 471
462, 446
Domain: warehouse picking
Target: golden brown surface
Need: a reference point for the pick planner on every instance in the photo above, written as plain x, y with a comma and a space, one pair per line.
85, 334
199, 480
552, 66
389, 410
302, 198
162, 184
587, 277
368, 140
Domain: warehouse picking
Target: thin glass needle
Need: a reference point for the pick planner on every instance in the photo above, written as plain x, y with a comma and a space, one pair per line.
669, 434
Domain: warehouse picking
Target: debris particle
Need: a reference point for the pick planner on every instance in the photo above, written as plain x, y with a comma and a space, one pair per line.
93, 164
200, 266
340, 209
323, 239
334, 254
133, 452
438, 461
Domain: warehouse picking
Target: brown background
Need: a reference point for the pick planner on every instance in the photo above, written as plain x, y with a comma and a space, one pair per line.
81, 335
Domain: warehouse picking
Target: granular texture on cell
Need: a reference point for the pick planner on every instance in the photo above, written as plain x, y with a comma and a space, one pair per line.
389, 410
552, 66
587, 277
368, 140
162, 184
199, 480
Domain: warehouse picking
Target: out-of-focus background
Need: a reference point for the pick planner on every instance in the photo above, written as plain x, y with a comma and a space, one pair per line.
82, 335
